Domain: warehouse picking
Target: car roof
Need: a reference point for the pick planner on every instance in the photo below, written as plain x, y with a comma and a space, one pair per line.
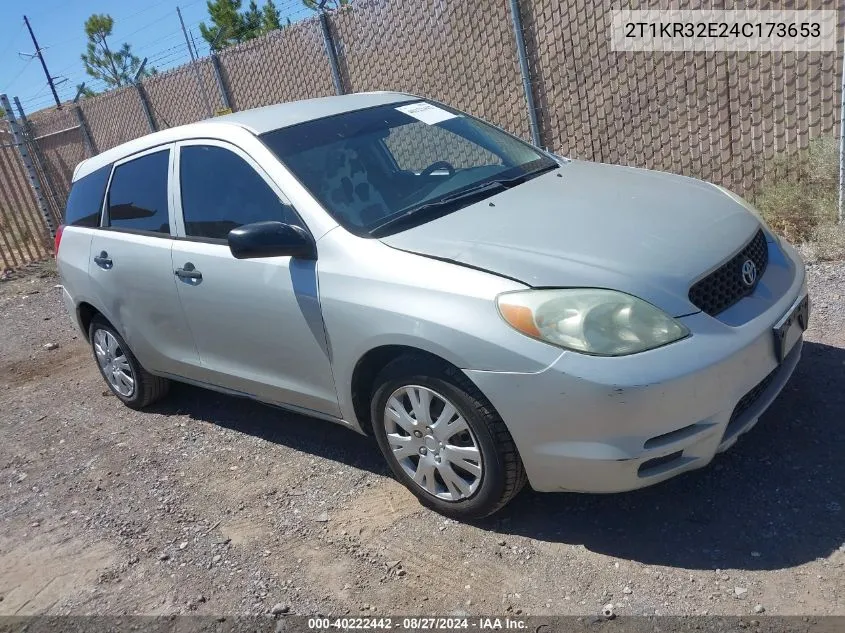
257, 120
273, 117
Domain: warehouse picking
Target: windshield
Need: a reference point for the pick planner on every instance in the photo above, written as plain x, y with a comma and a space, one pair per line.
398, 165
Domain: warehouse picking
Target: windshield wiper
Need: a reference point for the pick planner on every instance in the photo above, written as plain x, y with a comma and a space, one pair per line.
479, 191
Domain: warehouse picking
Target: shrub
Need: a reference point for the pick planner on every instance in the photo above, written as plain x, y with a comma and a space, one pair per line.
800, 194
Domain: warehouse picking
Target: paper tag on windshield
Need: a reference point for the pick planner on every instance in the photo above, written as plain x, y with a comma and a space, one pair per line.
426, 112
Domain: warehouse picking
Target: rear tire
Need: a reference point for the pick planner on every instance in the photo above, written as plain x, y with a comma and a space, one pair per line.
426, 445
131, 383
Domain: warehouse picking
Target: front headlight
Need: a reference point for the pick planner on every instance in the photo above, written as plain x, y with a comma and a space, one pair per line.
590, 320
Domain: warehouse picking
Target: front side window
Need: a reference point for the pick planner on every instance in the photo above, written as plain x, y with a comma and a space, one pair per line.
137, 198
221, 191
86, 199
410, 160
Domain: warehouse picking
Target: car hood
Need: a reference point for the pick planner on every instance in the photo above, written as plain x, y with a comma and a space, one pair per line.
647, 233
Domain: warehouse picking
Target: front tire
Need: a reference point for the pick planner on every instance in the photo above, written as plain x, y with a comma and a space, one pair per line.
134, 385
443, 440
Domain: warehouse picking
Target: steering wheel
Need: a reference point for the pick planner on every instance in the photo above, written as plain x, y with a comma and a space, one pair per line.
440, 164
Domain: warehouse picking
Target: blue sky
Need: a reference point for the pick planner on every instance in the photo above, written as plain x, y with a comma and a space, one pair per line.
150, 26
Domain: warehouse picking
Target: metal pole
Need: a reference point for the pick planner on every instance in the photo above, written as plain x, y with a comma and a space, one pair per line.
146, 107
196, 52
185, 33
142, 95
83, 124
43, 64
331, 53
200, 84
27, 162
516, 18
842, 140
218, 78
86, 134
42, 161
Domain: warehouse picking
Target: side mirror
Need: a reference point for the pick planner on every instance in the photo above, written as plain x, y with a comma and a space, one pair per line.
271, 239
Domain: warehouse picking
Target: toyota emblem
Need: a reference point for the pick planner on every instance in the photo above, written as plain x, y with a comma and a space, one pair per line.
749, 273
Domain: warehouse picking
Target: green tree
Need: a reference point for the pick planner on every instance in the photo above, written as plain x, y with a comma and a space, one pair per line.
230, 26
252, 19
114, 68
270, 18
227, 26
85, 91
314, 5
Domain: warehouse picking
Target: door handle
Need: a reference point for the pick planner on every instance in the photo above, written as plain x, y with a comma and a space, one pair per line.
103, 260
188, 272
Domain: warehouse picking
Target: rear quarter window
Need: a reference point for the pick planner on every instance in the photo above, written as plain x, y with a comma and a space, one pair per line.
86, 199
137, 199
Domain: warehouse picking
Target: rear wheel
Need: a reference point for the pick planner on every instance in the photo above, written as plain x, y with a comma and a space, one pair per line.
443, 440
130, 382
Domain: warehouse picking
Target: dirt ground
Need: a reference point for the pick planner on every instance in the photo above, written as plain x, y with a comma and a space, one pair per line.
214, 505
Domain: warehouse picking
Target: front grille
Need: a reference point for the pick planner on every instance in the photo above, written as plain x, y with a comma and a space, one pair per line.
722, 288
749, 400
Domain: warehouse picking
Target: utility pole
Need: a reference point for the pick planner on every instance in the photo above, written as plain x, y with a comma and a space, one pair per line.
185, 33
43, 63
194, 65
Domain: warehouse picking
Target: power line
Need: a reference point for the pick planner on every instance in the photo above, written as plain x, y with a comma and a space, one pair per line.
26, 100
12, 41
156, 21
118, 19
144, 10
146, 26
166, 58
168, 52
170, 36
15, 78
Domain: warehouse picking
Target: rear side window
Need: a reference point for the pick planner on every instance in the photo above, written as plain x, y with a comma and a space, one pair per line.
221, 191
138, 194
86, 199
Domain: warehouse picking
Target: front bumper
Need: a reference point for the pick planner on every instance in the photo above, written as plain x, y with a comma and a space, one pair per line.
593, 424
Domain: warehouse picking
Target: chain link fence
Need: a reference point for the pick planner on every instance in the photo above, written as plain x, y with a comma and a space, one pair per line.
718, 116
287, 65
23, 237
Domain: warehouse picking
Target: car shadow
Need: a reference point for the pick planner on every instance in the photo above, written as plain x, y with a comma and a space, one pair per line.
272, 424
776, 499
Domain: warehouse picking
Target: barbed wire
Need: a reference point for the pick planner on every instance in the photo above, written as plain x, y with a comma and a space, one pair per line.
16, 77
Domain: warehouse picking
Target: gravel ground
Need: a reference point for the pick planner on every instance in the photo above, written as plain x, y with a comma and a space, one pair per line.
213, 505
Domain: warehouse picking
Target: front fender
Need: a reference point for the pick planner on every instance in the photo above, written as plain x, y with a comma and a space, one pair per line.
373, 295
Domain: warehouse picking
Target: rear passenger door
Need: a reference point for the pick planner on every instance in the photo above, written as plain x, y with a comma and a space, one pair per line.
256, 322
130, 267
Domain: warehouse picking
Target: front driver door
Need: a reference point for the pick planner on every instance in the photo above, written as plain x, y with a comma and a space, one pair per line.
256, 322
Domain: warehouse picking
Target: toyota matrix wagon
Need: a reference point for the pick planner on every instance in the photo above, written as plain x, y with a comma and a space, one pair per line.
492, 314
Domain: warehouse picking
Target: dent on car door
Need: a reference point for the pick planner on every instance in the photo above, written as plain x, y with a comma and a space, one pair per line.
130, 266
257, 322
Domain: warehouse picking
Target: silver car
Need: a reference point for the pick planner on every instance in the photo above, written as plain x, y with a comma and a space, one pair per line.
490, 313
